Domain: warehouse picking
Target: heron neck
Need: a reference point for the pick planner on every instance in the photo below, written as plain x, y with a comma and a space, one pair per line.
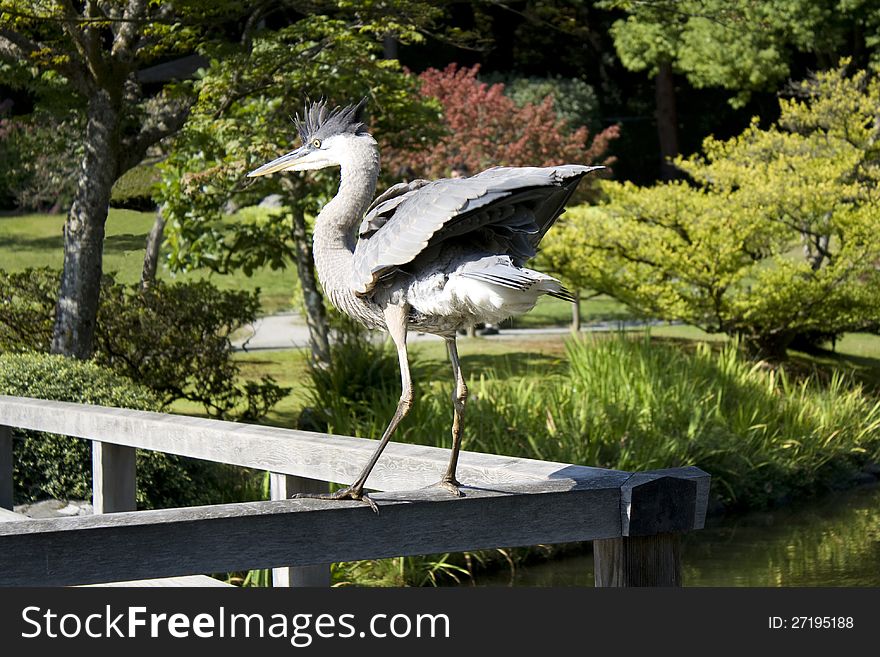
335, 226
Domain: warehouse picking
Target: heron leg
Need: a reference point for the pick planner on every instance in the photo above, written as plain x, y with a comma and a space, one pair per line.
395, 320
459, 397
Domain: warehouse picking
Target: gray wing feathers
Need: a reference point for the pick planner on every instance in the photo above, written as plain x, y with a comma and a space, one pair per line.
499, 274
500, 271
518, 203
382, 208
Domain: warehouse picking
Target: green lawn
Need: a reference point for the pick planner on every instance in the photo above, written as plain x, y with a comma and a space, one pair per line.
35, 240
556, 312
288, 367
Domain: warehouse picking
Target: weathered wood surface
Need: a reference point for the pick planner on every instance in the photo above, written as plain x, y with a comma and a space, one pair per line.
655, 507
188, 581
281, 487
113, 478
302, 453
11, 516
671, 500
638, 561
221, 538
5, 467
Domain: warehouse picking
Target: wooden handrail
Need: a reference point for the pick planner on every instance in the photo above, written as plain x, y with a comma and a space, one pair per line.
508, 502
320, 456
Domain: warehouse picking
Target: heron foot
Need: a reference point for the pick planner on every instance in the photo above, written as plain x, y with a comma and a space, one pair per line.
452, 485
347, 493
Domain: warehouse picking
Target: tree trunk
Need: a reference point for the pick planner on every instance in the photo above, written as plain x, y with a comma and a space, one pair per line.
316, 313
151, 253
772, 348
77, 309
667, 120
390, 47
576, 312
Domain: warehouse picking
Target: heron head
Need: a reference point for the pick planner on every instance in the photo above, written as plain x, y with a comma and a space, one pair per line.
325, 136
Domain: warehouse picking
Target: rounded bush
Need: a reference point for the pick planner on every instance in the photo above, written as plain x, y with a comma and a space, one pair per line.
48, 465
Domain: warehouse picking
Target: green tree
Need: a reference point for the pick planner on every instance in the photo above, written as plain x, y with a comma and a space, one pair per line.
574, 101
775, 237
242, 119
91, 54
739, 45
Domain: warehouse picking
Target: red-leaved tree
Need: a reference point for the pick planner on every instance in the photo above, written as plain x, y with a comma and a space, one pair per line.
485, 128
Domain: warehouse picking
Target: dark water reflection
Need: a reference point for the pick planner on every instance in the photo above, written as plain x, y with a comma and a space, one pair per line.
831, 542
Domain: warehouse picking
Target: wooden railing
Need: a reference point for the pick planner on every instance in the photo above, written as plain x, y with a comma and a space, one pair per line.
633, 519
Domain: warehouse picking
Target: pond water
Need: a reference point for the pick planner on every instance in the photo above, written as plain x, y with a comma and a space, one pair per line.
834, 541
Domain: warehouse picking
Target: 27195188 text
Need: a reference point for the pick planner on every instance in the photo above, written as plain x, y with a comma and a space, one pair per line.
811, 623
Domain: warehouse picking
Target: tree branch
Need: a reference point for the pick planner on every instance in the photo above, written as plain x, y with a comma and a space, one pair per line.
84, 42
165, 117
15, 46
135, 12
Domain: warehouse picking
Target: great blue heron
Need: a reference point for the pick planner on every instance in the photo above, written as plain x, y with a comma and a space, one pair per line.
430, 256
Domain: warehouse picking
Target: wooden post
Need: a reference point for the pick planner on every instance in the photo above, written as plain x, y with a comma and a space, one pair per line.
113, 478
576, 312
638, 561
6, 485
655, 509
281, 488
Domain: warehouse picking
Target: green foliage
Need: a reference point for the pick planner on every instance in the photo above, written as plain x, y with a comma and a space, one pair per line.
342, 398
48, 465
775, 238
739, 45
422, 570
39, 167
27, 302
172, 338
135, 189
764, 435
65, 55
241, 120
175, 339
574, 100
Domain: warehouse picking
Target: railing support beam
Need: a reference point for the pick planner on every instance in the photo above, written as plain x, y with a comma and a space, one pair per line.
655, 508
113, 478
638, 561
6, 483
281, 488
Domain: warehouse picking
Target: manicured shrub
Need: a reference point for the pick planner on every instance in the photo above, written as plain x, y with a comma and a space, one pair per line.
48, 465
172, 338
134, 190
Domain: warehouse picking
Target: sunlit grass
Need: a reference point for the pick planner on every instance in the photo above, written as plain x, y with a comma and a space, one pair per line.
556, 312
35, 240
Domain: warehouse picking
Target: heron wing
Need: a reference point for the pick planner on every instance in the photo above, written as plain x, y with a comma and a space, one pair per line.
511, 207
384, 205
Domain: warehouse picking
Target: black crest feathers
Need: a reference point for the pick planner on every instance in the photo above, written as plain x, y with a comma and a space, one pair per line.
317, 121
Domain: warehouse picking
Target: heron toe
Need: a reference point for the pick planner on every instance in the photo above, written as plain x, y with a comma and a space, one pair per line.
452, 485
347, 493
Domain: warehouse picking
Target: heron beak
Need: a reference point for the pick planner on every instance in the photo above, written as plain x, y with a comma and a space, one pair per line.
302, 158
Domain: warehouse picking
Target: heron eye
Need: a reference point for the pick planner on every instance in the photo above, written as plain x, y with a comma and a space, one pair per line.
316, 143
